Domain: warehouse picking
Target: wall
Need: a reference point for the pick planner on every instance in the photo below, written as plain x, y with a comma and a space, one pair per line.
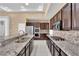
4, 30
16, 18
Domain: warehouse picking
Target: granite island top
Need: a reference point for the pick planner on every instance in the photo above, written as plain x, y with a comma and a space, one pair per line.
69, 48
13, 48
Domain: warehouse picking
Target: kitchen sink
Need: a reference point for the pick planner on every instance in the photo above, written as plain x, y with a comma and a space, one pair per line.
22, 39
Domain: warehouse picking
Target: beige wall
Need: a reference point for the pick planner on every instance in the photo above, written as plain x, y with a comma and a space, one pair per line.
16, 18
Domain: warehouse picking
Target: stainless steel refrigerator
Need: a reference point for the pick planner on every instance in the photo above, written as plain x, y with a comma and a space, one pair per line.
30, 30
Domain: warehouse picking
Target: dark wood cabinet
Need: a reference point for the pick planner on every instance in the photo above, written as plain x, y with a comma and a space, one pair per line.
51, 23
36, 24
31, 46
54, 49
29, 24
75, 16
63, 54
66, 17
69, 15
56, 18
59, 15
44, 26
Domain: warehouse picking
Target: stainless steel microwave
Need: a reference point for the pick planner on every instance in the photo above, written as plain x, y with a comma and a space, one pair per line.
57, 25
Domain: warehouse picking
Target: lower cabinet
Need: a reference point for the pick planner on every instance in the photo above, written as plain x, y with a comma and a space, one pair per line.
31, 46
26, 51
63, 54
56, 53
54, 49
22, 52
50, 46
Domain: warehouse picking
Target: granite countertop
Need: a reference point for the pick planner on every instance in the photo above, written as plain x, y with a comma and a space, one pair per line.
2, 38
13, 48
69, 48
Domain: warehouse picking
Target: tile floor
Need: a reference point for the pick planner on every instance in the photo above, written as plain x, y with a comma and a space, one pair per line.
40, 48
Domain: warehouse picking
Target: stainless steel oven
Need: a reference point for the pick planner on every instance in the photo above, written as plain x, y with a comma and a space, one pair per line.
37, 32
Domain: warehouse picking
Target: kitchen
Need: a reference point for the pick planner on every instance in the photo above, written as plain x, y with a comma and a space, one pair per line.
39, 29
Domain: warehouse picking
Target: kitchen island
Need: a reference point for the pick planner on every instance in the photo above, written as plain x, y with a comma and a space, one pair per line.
64, 48
13, 48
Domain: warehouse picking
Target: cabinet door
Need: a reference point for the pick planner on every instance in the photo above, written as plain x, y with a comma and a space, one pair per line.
31, 46
47, 26
51, 23
29, 24
56, 53
63, 54
75, 16
41, 25
27, 51
52, 52
59, 15
22, 53
36, 24
55, 18
44, 26
66, 17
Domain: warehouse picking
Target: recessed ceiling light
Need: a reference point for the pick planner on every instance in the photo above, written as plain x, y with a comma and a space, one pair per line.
23, 8
26, 4
5, 8
40, 8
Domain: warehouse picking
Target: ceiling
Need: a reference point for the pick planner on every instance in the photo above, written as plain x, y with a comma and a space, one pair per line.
45, 10
23, 7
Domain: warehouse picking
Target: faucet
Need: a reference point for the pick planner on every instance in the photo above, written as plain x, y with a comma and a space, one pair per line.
21, 32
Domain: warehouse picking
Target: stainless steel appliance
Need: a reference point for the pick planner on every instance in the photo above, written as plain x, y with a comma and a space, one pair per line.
57, 25
37, 32
30, 30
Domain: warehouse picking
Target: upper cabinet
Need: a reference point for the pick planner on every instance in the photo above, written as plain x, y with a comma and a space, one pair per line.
51, 24
54, 19
66, 17
44, 26
75, 16
69, 15
59, 15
